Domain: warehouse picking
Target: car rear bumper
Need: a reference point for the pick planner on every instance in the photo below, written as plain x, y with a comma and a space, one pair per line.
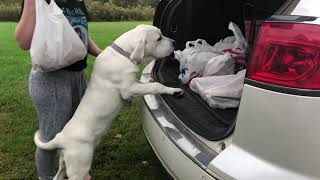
178, 164
182, 153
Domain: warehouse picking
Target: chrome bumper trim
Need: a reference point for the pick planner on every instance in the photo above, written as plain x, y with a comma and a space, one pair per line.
176, 131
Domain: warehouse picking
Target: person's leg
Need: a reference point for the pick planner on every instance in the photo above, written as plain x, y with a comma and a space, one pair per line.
52, 98
79, 86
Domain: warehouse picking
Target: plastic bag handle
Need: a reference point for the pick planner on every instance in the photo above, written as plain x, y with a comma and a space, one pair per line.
54, 8
238, 34
195, 44
41, 8
46, 4
52, 3
190, 44
199, 42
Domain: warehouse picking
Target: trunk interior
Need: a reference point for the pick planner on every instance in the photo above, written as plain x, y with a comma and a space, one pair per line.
186, 20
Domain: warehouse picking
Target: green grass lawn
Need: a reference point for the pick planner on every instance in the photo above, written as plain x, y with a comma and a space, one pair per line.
114, 158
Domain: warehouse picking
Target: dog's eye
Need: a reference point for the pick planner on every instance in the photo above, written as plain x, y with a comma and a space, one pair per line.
159, 39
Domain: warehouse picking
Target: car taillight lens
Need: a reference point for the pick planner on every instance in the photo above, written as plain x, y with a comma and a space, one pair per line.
287, 54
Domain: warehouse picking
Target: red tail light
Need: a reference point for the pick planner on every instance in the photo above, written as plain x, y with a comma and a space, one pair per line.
287, 55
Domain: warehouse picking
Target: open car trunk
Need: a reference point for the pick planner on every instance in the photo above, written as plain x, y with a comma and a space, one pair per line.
186, 20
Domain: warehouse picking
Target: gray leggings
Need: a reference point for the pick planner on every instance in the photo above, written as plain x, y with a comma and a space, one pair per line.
55, 95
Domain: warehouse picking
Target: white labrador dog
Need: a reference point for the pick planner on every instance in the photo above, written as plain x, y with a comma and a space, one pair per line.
113, 80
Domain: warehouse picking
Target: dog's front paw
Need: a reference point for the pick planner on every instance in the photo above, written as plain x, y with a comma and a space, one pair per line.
177, 92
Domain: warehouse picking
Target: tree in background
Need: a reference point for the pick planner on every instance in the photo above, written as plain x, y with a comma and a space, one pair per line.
99, 10
152, 3
7, 2
128, 3
121, 3
125, 3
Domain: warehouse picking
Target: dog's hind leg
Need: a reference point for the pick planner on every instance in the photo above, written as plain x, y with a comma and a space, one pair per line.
62, 168
78, 161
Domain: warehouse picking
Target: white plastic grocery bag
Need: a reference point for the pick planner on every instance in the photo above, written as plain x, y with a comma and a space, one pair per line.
193, 59
224, 58
220, 91
220, 65
55, 44
236, 44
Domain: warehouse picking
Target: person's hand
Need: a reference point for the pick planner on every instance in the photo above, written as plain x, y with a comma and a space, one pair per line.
94, 50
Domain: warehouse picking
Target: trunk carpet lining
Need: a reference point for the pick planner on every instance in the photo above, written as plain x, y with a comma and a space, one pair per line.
191, 109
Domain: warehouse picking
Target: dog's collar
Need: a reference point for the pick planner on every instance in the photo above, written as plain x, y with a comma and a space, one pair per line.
120, 50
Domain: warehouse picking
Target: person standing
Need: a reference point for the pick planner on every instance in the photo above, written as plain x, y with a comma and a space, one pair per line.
55, 95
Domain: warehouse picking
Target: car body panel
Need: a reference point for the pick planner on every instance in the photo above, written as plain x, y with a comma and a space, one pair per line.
236, 163
275, 131
307, 8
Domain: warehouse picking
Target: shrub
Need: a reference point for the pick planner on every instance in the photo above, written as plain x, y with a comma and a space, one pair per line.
98, 11
10, 12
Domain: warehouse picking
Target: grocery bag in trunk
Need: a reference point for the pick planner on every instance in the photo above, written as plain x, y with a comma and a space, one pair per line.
224, 58
220, 91
193, 59
55, 44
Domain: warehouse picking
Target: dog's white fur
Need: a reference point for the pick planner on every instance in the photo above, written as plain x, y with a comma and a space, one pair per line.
113, 80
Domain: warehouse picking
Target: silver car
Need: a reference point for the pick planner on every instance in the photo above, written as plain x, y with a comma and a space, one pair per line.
274, 133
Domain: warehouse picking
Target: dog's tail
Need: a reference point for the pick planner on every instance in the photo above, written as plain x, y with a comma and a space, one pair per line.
51, 145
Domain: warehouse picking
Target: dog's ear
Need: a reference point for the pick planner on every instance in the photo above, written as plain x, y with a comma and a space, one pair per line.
138, 52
